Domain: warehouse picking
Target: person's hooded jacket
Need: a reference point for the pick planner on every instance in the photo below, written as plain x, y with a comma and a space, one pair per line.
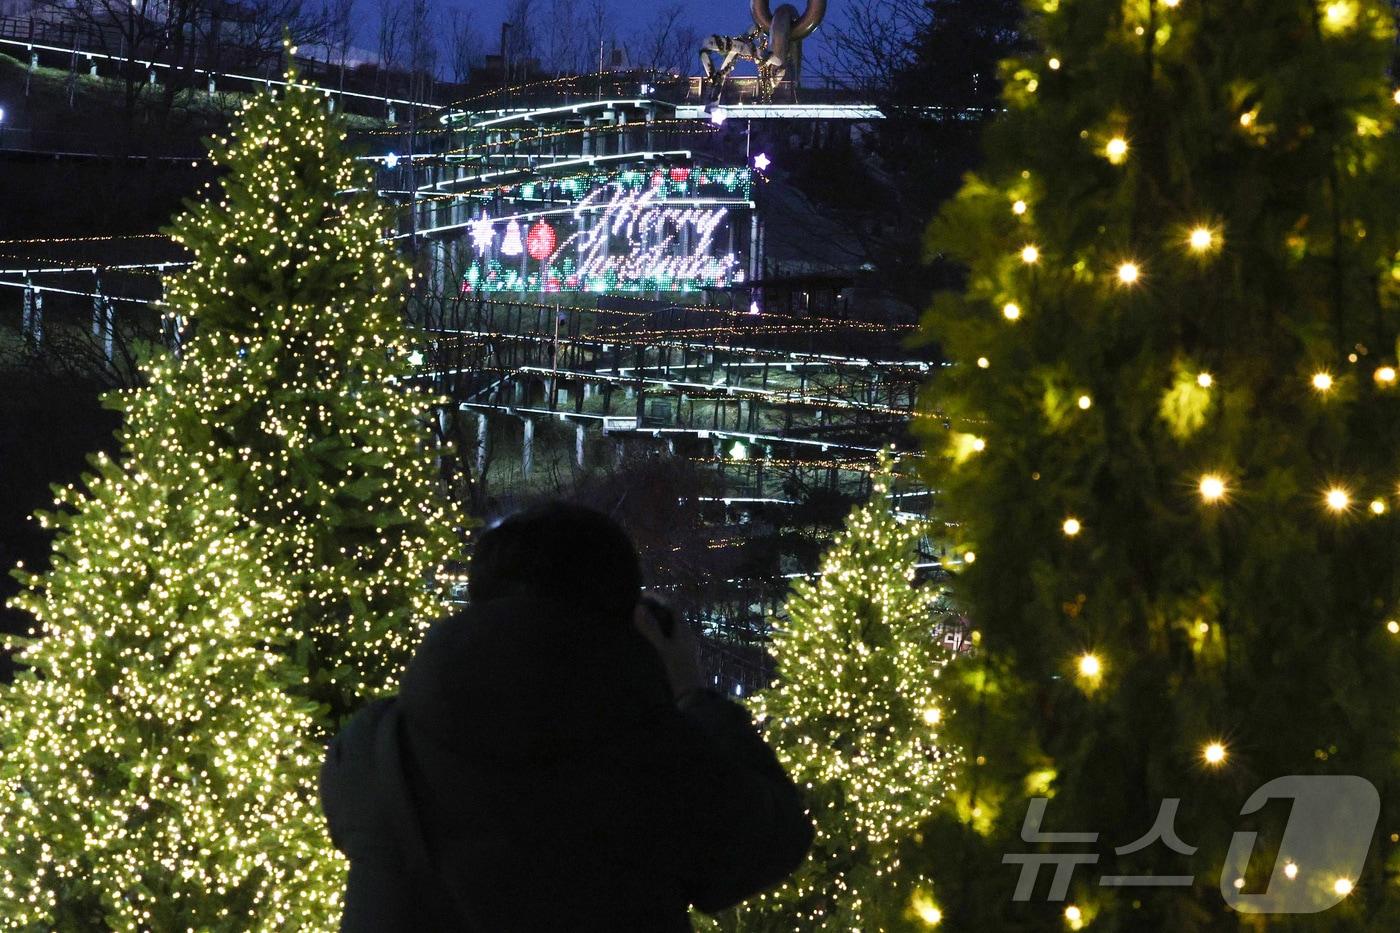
535, 773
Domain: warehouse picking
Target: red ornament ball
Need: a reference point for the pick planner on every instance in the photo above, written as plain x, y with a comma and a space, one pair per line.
540, 241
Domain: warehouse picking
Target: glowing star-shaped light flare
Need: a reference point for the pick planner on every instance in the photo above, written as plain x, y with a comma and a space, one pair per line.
1322, 381
761, 161
1030, 254
1201, 239
1116, 150
1090, 667
1212, 488
1129, 273
1011, 311
1337, 499
1214, 754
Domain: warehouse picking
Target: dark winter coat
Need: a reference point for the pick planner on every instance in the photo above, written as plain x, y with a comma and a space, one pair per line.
536, 774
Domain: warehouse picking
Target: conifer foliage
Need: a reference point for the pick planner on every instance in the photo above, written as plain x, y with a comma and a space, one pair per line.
855, 717
1174, 449
258, 559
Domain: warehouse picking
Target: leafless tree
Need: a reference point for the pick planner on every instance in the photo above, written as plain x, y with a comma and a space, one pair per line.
421, 47
389, 40
519, 39
598, 31
872, 45
340, 32
463, 43
562, 44
667, 43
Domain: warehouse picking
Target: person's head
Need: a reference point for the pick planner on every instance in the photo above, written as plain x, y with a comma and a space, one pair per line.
562, 552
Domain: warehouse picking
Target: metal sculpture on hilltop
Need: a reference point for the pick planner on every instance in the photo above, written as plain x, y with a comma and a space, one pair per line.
774, 45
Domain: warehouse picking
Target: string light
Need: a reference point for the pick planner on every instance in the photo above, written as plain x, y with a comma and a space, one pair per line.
1205, 380
1116, 150
1201, 239
228, 602
983, 362
1010, 311
1343, 886
1019, 207
1214, 754
1090, 666
850, 718
1338, 499
1054, 64
1074, 917
1378, 507
1290, 870
1085, 402
1385, 375
1030, 254
1071, 527
1322, 381
1212, 488
1128, 273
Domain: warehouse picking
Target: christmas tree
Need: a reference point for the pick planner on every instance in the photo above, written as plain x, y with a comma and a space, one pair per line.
1169, 444
855, 718
156, 774
258, 560
299, 364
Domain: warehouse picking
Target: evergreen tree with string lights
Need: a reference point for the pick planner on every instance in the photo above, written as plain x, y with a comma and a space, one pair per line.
300, 361
156, 772
855, 718
257, 562
1172, 443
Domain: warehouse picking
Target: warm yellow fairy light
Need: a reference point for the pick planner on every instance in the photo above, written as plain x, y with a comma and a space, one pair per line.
1090, 666
1385, 375
1074, 917
1011, 311
979, 444
1085, 402
1378, 507
1018, 208
1338, 499
983, 362
1343, 886
1322, 381
1129, 273
1396, 96
1393, 627
1201, 239
1247, 119
933, 715
1214, 754
1172, 3
1290, 870
1212, 488
1116, 150
1030, 254
970, 557
1205, 380
1072, 527
1054, 64
1339, 14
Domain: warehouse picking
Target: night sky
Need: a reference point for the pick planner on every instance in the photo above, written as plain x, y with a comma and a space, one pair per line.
727, 17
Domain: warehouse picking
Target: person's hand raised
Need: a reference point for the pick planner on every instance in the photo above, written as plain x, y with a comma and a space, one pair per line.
680, 650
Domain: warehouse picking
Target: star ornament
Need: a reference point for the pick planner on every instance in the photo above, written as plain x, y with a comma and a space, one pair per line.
761, 161
483, 234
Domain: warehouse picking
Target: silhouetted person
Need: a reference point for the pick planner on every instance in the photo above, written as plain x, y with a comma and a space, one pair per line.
553, 761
